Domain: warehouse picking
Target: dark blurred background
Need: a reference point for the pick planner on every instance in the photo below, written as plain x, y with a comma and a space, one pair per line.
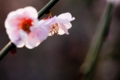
60, 57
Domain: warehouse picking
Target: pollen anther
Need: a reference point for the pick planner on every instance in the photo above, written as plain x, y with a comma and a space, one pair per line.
26, 24
54, 29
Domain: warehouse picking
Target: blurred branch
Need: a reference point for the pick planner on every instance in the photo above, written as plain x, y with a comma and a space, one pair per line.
43, 11
88, 66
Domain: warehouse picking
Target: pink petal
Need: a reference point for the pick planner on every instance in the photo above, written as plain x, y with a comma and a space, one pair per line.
19, 43
12, 21
13, 35
15, 38
23, 35
30, 12
68, 25
33, 28
50, 21
32, 41
61, 32
38, 43
66, 16
63, 29
62, 20
19, 11
28, 45
42, 33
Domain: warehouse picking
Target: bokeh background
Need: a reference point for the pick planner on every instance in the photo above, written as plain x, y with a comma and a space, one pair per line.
60, 57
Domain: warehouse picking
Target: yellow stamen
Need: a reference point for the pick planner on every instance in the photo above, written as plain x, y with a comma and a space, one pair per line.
54, 29
50, 14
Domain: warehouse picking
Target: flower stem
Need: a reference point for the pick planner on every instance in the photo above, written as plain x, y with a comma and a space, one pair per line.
43, 11
6, 49
90, 62
47, 8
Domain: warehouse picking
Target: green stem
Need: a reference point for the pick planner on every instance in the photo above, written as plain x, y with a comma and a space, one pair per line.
88, 66
43, 11
6, 49
47, 8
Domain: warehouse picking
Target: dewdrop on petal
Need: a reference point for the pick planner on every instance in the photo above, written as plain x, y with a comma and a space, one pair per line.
60, 24
19, 26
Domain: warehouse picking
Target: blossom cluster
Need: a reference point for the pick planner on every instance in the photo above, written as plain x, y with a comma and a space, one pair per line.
25, 29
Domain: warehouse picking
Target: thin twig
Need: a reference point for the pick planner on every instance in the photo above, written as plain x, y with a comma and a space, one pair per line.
88, 66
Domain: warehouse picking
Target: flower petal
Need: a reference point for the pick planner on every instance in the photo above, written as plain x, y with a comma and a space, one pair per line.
61, 32
42, 33
66, 16
12, 21
19, 43
62, 29
38, 43
68, 25
15, 38
30, 12
31, 41
28, 45
50, 21
13, 35
64, 21
23, 35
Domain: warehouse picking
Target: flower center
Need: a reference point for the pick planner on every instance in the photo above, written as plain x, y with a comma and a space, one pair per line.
54, 29
26, 24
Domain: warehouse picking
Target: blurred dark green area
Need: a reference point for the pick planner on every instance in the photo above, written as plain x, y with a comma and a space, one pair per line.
60, 57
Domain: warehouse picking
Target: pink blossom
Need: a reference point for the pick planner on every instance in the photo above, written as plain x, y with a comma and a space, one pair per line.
23, 28
60, 24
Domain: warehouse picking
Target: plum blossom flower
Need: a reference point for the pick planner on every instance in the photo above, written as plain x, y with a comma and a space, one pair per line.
60, 24
23, 28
